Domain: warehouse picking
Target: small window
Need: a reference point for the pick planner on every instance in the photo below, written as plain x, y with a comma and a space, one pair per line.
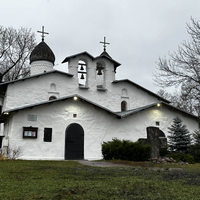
157, 123
30, 132
47, 134
52, 98
123, 106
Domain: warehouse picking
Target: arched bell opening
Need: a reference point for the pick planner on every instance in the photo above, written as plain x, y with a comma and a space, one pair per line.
82, 73
100, 74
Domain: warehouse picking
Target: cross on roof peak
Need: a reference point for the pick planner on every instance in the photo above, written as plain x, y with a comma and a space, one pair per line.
104, 43
42, 33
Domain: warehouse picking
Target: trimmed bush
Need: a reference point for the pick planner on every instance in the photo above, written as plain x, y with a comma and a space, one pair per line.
182, 157
125, 150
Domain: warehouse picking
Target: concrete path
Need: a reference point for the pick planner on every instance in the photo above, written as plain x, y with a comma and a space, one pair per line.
101, 164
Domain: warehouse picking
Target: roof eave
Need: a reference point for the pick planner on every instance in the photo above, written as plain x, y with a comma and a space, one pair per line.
61, 99
75, 55
36, 75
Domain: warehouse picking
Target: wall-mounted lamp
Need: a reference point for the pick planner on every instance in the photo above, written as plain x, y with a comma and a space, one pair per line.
75, 98
6, 113
158, 104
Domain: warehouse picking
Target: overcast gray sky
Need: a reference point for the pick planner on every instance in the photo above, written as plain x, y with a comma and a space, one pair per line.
139, 31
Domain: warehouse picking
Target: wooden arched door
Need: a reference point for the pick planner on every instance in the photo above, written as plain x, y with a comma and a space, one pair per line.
74, 142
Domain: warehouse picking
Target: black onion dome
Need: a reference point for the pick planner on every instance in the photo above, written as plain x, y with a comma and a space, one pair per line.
42, 52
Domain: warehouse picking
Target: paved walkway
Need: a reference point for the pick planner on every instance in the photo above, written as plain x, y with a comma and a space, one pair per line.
101, 164
112, 164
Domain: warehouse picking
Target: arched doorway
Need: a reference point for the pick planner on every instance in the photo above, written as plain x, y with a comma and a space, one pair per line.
74, 142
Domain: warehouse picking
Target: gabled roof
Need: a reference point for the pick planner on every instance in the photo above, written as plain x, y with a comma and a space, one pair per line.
103, 55
142, 88
107, 56
119, 115
36, 75
78, 54
57, 100
136, 110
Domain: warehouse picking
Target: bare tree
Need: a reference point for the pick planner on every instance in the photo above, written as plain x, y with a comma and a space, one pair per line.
178, 99
15, 48
14, 152
182, 68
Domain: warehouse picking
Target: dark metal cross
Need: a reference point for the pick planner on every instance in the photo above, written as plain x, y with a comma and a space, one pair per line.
42, 33
104, 43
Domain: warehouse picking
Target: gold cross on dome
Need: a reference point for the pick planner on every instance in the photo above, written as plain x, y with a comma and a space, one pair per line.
104, 43
42, 33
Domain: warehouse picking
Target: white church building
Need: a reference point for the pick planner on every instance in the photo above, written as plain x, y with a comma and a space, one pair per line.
54, 115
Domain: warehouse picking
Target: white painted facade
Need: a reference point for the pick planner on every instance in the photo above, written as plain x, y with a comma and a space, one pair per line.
97, 109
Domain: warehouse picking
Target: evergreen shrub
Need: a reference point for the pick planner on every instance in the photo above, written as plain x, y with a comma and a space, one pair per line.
182, 157
179, 139
125, 150
195, 152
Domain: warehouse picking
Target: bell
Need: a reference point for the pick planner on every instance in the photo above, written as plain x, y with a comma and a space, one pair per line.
82, 67
99, 72
82, 76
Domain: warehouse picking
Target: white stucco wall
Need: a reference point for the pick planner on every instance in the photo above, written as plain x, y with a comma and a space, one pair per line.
38, 89
98, 126
41, 66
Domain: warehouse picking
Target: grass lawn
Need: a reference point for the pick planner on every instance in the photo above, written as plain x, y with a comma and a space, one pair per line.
24, 180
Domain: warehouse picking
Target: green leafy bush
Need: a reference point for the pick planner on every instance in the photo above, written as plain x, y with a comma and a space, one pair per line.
163, 152
182, 157
195, 152
125, 150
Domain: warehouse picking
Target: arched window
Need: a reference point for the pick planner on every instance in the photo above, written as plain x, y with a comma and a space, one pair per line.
52, 98
123, 106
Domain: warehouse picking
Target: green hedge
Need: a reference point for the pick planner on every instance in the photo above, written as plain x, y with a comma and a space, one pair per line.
125, 150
